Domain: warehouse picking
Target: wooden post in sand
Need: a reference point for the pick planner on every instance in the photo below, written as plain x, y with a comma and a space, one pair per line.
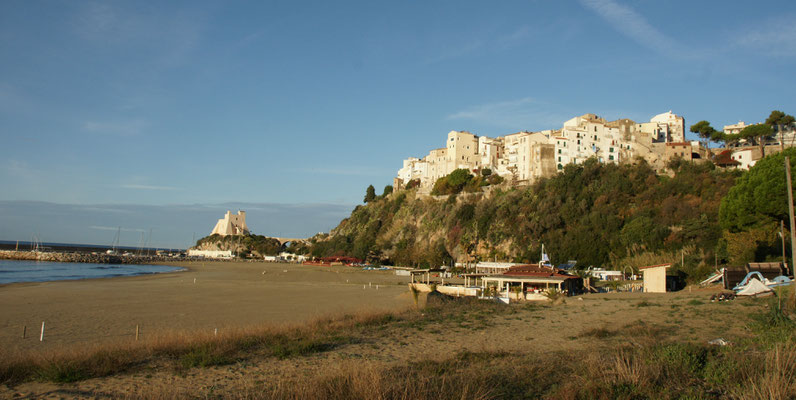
137, 331
41, 338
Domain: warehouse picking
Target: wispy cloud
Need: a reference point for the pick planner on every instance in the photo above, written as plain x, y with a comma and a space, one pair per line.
346, 171
458, 47
102, 210
129, 128
147, 187
776, 37
18, 169
634, 26
115, 228
173, 35
525, 113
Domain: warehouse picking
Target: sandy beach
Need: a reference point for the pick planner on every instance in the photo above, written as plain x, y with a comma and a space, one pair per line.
205, 297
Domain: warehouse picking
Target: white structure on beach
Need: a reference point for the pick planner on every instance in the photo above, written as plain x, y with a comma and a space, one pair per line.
210, 253
231, 224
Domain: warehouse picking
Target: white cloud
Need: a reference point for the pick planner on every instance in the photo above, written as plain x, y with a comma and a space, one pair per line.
115, 228
774, 38
173, 35
129, 128
346, 171
147, 187
525, 113
634, 26
19, 169
486, 42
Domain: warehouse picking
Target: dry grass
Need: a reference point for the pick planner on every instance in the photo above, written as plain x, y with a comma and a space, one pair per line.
637, 360
182, 351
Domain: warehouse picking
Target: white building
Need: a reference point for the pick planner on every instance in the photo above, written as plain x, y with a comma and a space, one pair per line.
210, 253
231, 224
524, 157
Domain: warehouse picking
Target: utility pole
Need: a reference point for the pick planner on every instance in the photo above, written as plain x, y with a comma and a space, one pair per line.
782, 235
790, 212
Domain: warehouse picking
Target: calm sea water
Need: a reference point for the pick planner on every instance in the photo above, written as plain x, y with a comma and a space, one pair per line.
40, 271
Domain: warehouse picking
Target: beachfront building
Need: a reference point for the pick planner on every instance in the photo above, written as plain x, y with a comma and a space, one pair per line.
524, 157
210, 253
531, 282
231, 224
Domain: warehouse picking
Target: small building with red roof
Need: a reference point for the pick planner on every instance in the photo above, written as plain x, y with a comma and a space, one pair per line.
530, 281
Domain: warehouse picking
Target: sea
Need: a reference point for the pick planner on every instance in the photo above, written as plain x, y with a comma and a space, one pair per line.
12, 271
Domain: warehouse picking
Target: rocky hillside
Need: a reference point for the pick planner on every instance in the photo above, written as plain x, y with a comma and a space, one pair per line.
597, 214
242, 245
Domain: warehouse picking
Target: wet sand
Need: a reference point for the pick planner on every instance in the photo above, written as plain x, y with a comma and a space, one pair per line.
224, 295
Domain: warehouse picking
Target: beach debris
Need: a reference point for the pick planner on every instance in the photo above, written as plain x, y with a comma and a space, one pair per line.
41, 338
722, 297
755, 288
717, 276
284, 270
719, 342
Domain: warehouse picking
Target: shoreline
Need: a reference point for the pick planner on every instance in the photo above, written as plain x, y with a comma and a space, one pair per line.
181, 268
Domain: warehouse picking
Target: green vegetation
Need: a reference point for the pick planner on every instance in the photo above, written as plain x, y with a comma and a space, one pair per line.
598, 214
751, 211
244, 245
370, 194
461, 180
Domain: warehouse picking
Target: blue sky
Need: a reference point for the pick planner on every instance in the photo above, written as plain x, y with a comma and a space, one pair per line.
173, 104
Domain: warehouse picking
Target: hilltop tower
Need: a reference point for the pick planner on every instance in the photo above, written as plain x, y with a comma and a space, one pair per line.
231, 224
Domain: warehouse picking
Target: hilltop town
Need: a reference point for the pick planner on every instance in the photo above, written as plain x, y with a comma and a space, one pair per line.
523, 158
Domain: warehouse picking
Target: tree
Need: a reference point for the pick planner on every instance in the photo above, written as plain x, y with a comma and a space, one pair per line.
759, 197
757, 133
705, 132
486, 172
780, 122
459, 177
387, 190
370, 194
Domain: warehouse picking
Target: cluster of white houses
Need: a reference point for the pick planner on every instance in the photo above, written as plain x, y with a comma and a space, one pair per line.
524, 157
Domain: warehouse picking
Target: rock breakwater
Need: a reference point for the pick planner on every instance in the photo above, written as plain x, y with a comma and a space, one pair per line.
77, 257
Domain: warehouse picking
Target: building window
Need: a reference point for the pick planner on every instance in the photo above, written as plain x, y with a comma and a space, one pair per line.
559, 151
610, 149
611, 157
559, 159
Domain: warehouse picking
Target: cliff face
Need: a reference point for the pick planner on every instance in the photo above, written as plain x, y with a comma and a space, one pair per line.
593, 213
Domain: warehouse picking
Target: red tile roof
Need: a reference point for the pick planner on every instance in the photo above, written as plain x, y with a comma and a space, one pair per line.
536, 270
